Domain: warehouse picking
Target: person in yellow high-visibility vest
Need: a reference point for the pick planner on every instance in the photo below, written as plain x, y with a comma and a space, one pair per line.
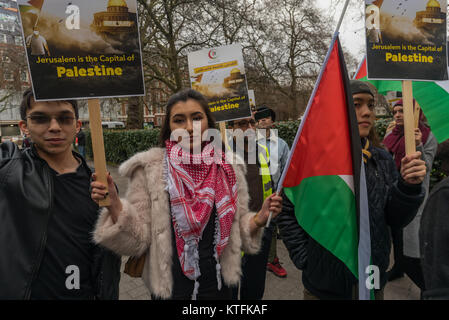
256, 158
278, 151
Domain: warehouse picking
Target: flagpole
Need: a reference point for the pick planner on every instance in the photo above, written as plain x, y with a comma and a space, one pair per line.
342, 16
298, 134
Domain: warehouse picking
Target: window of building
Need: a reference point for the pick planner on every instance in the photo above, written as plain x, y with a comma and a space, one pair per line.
3, 38
8, 76
18, 41
7, 17
24, 76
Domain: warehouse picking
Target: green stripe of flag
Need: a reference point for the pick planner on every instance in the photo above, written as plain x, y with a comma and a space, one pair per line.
24, 9
325, 208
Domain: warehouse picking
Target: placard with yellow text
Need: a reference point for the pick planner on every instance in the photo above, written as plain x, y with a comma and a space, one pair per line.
406, 40
82, 49
219, 74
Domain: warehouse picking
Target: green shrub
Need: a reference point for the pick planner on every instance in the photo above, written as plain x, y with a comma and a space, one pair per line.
381, 126
287, 130
121, 145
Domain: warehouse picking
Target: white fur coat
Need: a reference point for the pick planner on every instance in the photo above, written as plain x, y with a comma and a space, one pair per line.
144, 225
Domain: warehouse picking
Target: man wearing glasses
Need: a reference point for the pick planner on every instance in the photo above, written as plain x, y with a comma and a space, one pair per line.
258, 177
47, 214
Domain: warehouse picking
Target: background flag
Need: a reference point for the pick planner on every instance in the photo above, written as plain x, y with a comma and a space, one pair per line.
325, 168
432, 96
34, 7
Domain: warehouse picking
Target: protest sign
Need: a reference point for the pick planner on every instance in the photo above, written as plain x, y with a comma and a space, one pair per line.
406, 40
219, 74
252, 100
82, 48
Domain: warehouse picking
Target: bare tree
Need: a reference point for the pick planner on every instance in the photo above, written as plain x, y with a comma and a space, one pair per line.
289, 40
13, 74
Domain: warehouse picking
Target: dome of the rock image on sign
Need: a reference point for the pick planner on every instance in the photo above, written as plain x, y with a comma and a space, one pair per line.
116, 20
433, 4
235, 79
432, 18
117, 3
117, 26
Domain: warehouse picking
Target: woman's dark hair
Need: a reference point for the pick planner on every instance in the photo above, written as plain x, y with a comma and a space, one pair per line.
373, 138
183, 96
26, 104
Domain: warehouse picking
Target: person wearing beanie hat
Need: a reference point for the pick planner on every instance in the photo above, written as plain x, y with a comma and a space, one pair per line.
358, 87
393, 201
406, 241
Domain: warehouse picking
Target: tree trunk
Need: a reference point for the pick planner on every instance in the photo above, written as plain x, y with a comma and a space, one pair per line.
135, 114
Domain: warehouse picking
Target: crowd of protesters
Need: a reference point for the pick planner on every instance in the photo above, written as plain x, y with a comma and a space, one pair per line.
194, 228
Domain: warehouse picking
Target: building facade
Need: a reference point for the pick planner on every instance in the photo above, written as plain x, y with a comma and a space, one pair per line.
14, 77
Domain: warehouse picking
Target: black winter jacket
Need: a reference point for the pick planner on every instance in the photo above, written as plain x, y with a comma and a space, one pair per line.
434, 240
26, 197
392, 203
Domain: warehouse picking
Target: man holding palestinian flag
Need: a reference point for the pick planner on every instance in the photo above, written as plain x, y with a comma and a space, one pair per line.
342, 191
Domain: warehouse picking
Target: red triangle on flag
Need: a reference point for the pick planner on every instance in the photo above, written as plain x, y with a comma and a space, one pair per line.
324, 145
36, 3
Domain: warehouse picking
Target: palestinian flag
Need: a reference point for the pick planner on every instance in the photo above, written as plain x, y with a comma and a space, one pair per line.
35, 6
325, 168
432, 96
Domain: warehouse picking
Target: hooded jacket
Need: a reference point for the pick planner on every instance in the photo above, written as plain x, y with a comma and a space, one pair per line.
392, 203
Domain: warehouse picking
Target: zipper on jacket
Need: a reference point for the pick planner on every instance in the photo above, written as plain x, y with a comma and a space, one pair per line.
44, 238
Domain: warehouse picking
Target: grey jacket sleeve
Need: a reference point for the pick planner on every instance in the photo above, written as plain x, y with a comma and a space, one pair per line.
284, 153
429, 150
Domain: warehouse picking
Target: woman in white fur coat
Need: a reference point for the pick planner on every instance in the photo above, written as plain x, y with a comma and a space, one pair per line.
189, 217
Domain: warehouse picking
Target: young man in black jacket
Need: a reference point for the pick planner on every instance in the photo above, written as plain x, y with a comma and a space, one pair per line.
47, 214
393, 202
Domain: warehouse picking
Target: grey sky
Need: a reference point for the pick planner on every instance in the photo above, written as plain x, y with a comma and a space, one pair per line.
87, 7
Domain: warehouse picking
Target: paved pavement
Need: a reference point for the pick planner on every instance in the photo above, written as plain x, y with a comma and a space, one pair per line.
289, 288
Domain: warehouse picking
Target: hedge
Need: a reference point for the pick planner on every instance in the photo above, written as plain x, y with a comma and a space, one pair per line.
121, 145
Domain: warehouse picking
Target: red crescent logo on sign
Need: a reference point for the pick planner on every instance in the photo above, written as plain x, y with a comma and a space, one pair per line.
212, 54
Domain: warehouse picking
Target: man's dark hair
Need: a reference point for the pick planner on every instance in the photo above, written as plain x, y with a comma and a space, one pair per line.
265, 112
183, 96
26, 104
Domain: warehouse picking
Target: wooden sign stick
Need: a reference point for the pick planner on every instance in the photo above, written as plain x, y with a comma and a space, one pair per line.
96, 131
224, 138
417, 112
409, 124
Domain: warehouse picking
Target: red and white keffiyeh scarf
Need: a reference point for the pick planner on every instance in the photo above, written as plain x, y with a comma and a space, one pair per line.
196, 183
